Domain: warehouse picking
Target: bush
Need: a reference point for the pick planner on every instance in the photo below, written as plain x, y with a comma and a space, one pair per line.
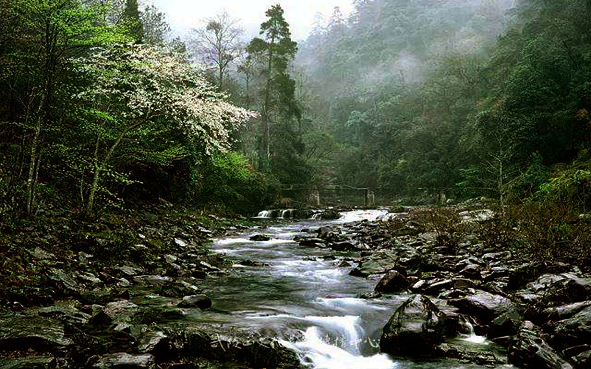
231, 184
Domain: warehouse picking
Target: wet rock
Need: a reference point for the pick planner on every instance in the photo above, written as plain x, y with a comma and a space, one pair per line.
437, 285
177, 288
312, 242
343, 246
377, 263
153, 342
574, 330
415, 328
529, 350
483, 305
392, 282
125, 360
37, 333
151, 280
506, 324
557, 288
565, 311
199, 301
259, 237
121, 311
29, 362
252, 349
65, 313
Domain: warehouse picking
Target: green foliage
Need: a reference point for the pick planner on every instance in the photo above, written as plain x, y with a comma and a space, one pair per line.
231, 184
570, 184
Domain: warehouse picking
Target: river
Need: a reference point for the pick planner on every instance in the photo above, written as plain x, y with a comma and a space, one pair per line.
307, 299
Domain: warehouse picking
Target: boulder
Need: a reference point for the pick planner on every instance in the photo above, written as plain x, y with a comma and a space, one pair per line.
529, 350
260, 237
483, 305
415, 328
392, 282
38, 333
125, 360
199, 301
574, 330
29, 362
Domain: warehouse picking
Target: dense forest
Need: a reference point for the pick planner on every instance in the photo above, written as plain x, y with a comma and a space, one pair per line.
102, 108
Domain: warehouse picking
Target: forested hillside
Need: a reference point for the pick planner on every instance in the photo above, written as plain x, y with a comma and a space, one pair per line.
469, 97
101, 107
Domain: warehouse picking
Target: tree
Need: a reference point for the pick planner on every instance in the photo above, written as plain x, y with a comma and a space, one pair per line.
156, 29
49, 33
218, 43
132, 21
277, 49
137, 91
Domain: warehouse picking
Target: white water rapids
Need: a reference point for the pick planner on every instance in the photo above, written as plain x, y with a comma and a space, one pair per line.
308, 298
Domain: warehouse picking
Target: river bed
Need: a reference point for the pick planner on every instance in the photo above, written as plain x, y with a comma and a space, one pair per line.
307, 299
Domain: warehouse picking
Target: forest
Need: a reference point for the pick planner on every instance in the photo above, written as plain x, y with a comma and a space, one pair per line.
134, 162
101, 107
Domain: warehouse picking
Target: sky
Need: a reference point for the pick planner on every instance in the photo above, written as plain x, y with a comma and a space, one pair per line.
186, 14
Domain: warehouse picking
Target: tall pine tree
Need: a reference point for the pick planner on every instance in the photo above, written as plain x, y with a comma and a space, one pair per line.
277, 50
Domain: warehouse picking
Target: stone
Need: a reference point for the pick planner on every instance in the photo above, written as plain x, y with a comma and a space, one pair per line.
574, 330
153, 341
392, 282
65, 313
29, 362
529, 350
38, 333
125, 360
121, 311
199, 301
343, 246
259, 237
483, 305
415, 328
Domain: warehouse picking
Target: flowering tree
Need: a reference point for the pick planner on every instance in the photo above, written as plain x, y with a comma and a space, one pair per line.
134, 93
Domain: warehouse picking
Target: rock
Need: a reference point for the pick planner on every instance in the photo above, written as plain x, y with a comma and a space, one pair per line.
506, 324
565, 311
125, 360
574, 330
65, 313
29, 362
557, 288
529, 350
415, 328
343, 246
121, 311
483, 305
37, 333
178, 289
378, 263
200, 301
260, 237
153, 342
312, 242
392, 282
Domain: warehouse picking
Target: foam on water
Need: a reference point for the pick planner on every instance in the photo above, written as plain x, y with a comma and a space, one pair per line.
314, 350
357, 215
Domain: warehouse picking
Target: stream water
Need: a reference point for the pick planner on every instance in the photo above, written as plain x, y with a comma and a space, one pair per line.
304, 298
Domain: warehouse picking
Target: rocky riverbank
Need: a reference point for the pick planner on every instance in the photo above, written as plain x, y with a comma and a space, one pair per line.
113, 293
117, 292
540, 312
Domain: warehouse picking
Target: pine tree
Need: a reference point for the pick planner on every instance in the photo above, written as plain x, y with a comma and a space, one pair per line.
279, 89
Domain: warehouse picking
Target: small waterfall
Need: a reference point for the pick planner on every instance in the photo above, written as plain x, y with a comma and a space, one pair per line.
317, 216
286, 214
471, 336
265, 214
333, 342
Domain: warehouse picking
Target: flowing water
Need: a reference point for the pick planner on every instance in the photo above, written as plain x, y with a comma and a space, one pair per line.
306, 300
